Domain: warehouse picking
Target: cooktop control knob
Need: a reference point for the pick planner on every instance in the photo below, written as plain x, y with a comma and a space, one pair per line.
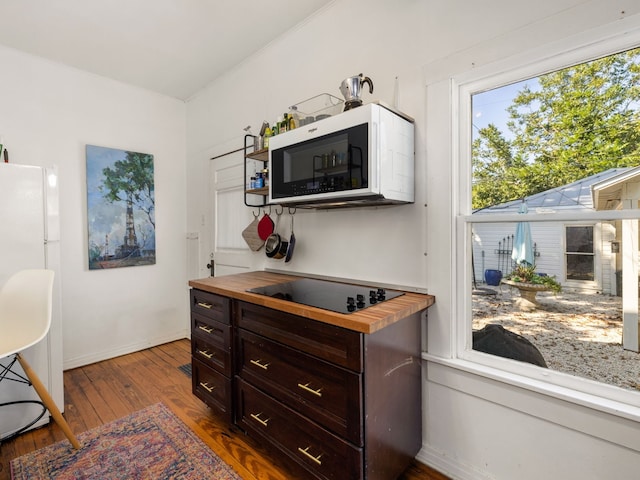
351, 304
381, 294
372, 297
360, 299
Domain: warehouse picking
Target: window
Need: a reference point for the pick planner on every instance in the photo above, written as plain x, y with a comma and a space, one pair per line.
579, 255
562, 141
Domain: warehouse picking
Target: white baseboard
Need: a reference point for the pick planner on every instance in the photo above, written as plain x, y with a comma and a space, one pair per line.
94, 357
449, 466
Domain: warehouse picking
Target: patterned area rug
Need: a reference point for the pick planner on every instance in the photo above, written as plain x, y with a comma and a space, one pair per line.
186, 369
151, 444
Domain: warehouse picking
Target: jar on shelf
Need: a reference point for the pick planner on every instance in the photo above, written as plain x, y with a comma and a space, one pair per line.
259, 180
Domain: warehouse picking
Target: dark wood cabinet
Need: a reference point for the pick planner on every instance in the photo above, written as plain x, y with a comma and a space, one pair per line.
338, 403
301, 441
332, 402
326, 393
211, 343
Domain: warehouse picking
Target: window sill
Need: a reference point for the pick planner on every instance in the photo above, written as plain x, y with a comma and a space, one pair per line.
564, 406
594, 402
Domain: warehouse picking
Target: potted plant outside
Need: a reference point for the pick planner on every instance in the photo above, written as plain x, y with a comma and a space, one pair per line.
524, 273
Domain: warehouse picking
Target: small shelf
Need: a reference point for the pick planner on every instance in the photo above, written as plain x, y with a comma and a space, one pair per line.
258, 191
254, 197
260, 155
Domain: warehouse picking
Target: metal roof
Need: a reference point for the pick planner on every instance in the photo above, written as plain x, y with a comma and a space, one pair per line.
575, 196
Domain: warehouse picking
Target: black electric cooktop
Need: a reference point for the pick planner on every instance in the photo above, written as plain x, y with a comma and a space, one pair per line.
334, 296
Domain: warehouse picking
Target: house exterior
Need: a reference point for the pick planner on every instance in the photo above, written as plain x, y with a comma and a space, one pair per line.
579, 254
482, 418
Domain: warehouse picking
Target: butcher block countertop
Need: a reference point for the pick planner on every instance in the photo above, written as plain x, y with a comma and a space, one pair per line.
368, 320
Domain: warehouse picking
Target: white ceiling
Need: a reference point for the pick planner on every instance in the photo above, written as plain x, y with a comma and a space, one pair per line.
174, 47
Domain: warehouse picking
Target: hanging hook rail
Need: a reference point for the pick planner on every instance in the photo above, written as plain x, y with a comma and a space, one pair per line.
227, 153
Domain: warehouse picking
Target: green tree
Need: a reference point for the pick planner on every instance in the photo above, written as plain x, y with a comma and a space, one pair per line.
131, 180
581, 121
496, 172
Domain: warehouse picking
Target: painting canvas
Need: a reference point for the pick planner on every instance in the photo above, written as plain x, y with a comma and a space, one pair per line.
120, 208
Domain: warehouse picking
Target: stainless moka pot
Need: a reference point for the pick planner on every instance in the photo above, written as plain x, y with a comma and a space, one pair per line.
351, 89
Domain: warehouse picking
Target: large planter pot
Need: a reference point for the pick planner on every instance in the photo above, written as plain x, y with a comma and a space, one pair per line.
492, 277
528, 293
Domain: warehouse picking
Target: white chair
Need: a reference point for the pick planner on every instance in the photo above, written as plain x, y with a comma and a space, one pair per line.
25, 318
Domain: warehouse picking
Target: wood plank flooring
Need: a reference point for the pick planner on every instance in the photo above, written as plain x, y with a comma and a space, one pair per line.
105, 391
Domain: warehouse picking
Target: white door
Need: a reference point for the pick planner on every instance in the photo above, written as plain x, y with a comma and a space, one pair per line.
231, 254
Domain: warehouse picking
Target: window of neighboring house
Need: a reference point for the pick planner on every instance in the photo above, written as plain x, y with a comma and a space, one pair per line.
579, 255
566, 144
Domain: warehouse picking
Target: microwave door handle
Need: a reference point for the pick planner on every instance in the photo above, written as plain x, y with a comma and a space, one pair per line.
350, 165
374, 172
362, 179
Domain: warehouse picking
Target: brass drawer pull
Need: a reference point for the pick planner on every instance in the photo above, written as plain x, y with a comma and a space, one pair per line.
264, 366
207, 387
205, 353
259, 420
204, 328
310, 390
306, 453
208, 306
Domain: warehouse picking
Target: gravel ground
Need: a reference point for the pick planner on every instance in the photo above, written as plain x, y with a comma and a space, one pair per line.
576, 333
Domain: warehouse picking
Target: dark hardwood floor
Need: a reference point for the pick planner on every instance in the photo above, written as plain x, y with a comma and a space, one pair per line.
105, 391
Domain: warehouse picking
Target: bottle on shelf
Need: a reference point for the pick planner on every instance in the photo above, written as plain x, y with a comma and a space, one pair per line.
284, 123
267, 136
294, 118
265, 177
263, 134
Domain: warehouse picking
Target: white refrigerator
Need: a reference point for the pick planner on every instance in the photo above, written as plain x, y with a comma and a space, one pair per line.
30, 238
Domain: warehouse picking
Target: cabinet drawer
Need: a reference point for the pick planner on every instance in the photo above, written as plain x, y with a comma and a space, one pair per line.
212, 388
210, 331
322, 453
328, 342
328, 394
211, 305
213, 349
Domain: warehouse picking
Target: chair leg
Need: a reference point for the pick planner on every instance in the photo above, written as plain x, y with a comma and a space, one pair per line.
48, 401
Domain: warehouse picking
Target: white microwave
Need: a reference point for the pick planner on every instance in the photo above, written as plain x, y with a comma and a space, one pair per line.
364, 156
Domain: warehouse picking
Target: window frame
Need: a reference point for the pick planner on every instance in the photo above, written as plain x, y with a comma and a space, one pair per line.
462, 87
594, 256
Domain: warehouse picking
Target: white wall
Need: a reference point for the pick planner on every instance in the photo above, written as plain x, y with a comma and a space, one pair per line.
474, 427
293, 69
48, 113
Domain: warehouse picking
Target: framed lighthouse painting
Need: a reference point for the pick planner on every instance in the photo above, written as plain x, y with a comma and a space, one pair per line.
120, 208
